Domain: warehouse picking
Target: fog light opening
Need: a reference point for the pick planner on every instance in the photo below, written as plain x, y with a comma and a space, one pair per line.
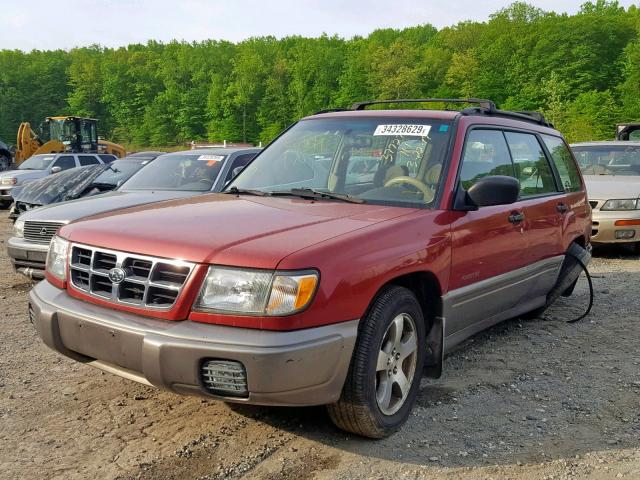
227, 378
625, 234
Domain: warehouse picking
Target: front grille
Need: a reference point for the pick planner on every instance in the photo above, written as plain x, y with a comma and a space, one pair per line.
41, 232
148, 281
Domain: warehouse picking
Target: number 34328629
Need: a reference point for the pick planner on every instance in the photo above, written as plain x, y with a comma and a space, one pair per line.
402, 129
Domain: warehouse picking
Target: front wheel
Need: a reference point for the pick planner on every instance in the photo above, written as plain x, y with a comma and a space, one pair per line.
386, 367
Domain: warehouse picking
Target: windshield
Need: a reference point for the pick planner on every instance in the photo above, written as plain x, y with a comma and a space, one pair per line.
37, 162
63, 130
608, 159
185, 172
383, 160
118, 172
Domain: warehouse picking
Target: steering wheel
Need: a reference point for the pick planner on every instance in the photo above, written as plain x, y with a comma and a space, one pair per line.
427, 193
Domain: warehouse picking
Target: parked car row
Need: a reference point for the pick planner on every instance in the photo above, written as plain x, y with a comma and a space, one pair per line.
344, 261
172, 175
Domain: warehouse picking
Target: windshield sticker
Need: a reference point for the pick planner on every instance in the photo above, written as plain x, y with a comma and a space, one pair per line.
211, 158
402, 129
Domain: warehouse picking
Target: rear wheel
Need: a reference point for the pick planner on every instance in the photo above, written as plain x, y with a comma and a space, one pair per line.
4, 204
386, 367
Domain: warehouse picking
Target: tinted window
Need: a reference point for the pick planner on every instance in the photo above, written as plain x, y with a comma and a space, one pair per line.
564, 163
531, 165
187, 172
239, 161
485, 154
87, 160
107, 158
65, 162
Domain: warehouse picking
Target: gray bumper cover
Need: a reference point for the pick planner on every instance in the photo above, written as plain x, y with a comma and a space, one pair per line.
303, 367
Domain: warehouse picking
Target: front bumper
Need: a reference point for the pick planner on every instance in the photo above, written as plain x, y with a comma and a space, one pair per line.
28, 257
5, 193
302, 367
604, 228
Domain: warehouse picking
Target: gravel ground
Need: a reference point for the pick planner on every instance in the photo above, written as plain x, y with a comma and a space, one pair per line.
538, 399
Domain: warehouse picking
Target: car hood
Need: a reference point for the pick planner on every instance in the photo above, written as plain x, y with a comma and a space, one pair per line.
227, 230
66, 185
65, 212
605, 187
24, 174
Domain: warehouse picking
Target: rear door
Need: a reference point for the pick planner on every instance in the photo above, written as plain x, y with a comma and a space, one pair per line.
489, 250
576, 214
543, 203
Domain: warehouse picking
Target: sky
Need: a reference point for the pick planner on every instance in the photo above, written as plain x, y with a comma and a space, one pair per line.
52, 24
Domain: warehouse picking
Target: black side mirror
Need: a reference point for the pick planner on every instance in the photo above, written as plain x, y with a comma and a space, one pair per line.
488, 191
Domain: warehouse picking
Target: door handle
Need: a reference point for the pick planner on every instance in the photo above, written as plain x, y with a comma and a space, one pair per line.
562, 208
516, 217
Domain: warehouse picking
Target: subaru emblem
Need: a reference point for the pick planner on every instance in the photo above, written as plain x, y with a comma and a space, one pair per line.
117, 275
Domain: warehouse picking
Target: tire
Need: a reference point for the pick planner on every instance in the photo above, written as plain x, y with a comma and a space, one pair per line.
4, 204
358, 409
5, 163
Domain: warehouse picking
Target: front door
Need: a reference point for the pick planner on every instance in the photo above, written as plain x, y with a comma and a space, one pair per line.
490, 249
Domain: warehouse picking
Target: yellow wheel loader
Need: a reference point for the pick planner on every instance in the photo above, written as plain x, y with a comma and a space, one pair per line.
63, 134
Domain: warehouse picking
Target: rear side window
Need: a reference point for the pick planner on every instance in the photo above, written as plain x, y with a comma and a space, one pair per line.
88, 160
65, 162
531, 165
564, 163
485, 154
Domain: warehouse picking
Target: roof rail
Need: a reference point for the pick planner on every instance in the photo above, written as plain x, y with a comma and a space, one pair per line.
485, 104
533, 117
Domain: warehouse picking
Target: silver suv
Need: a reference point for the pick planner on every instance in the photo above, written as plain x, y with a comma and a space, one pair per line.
39, 166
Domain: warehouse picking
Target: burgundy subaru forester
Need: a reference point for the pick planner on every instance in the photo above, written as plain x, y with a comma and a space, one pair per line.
337, 268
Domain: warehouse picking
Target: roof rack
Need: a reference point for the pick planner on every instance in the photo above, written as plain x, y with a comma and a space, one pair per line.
532, 117
484, 107
485, 104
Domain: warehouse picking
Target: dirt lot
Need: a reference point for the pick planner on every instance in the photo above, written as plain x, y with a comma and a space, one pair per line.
538, 399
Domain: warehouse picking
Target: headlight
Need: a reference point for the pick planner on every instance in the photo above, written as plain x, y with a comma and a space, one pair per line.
622, 204
256, 292
57, 258
18, 228
9, 181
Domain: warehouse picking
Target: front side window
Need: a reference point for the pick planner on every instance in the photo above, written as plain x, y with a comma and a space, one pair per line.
65, 162
531, 165
564, 163
376, 160
485, 154
608, 159
183, 172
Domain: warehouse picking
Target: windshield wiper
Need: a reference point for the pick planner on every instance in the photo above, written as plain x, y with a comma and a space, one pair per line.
246, 191
313, 193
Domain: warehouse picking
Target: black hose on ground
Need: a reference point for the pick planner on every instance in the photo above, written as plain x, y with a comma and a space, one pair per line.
575, 262
588, 275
